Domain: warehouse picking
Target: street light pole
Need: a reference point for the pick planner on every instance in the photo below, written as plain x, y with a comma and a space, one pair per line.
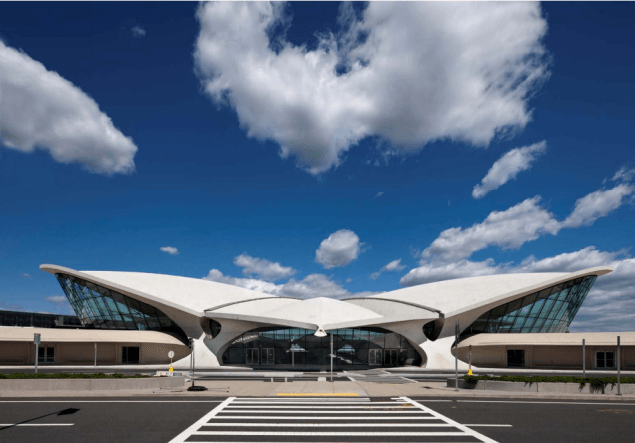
456, 355
331, 356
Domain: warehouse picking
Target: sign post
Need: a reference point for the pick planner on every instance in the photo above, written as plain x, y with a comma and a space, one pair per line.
583, 358
171, 356
36, 340
618, 366
95, 354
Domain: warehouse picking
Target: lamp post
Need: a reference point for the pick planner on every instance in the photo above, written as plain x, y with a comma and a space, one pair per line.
619, 392
36, 340
456, 355
583, 358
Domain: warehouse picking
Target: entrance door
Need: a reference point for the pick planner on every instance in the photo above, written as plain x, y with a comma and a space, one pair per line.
604, 359
391, 357
267, 356
45, 354
251, 356
374, 357
130, 355
515, 357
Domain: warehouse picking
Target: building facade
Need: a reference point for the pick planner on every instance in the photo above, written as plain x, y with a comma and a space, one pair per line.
233, 326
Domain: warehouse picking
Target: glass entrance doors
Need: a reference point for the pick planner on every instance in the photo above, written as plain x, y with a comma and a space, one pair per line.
267, 356
251, 356
374, 357
130, 355
391, 357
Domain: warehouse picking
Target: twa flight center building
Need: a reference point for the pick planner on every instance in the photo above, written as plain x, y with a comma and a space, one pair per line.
512, 320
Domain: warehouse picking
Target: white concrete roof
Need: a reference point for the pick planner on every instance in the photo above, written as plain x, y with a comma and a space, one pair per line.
16, 333
319, 312
193, 295
450, 297
553, 339
464, 294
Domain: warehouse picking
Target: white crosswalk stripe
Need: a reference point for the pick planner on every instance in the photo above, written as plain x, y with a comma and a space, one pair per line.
275, 420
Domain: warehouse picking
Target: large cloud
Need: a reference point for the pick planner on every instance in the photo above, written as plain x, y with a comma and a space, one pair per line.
339, 249
597, 204
314, 285
521, 223
263, 268
41, 110
507, 168
407, 73
508, 229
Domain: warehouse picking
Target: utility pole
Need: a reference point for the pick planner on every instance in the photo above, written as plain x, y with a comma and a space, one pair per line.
331, 356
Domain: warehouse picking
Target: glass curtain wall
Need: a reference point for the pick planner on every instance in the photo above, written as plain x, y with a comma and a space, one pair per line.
300, 347
103, 308
549, 310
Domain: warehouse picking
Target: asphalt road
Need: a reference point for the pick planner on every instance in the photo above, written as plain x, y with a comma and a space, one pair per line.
173, 419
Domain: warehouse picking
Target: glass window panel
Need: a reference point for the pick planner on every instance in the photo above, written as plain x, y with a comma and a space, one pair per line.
518, 324
498, 311
544, 293
513, 307
527, 304
536, 307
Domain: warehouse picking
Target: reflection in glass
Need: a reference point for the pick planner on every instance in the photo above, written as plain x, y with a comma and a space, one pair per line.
102, 308
297, 347
549, 310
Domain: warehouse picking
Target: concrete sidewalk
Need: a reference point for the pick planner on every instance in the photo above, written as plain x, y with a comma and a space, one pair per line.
298, 388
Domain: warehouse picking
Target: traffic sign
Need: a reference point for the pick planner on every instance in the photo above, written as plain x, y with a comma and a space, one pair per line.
171, 354
36, 339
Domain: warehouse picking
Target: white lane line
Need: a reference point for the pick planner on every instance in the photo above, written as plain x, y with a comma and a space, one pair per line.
546, 402
458, 425
413, 381
351, 378
419, 434
288, 402
423, 400
293, 411
204, 419
338, 425
311, 417
304, 399
37, 424
489, 426
364, 407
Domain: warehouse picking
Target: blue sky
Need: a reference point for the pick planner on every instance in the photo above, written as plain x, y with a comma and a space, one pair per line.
311, 149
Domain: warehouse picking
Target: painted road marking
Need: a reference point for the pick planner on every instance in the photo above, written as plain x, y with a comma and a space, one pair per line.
37, 424
232, 420
448, 420
204, 419
547, 402
261, 417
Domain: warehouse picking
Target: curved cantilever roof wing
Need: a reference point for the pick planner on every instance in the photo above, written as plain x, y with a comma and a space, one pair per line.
191, 295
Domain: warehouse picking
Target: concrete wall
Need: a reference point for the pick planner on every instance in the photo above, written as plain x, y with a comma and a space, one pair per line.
83, 353
52, 384
543, 356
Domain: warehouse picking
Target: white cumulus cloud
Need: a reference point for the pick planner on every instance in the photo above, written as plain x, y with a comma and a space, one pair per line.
169, 249
313, 285
407, 73
339, 249
138, 31
41, 110
508, 166
597, 204
507, 229
394, 265
263, 268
